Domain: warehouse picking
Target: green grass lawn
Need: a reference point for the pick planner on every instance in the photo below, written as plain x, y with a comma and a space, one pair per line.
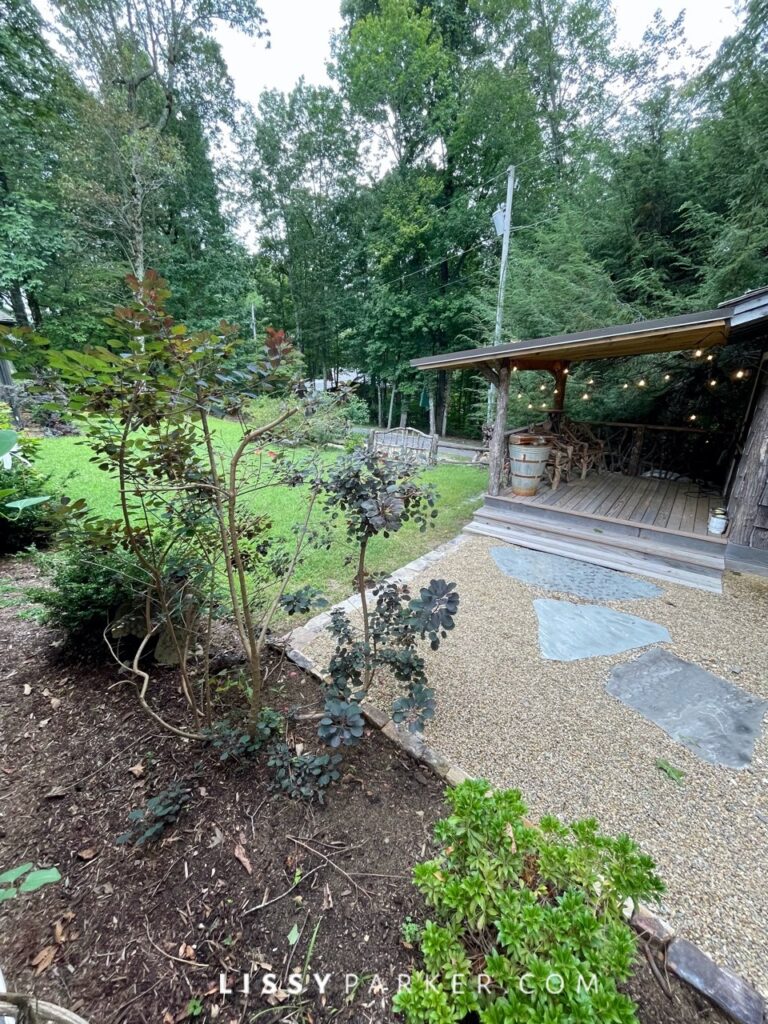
66, 461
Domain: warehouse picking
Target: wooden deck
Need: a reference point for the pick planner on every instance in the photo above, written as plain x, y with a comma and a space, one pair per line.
671, 506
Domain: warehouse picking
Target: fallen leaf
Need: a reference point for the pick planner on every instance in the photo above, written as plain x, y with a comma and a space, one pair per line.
327, 898
88, 853
56, 793
218, 837
186, 952
42, 723
44, 959
241, 855
279, 996
46, 692
60, 928
55, 703
137, 770
27, 689
511, 836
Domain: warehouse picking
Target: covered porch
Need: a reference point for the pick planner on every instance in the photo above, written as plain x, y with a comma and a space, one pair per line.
632, 496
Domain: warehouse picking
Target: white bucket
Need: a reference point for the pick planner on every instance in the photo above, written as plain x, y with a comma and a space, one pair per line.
718, 522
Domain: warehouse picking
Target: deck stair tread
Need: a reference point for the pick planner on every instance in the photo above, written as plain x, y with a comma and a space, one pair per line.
626, 554
697, 552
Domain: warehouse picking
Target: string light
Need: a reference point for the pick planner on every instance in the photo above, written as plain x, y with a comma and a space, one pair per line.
530, 406
519, 394
590, 381
585, 396
698, 353
740, 374
713, 383
641, 383
566, 370
543, 387
626, 386
556, 391
543, 405
692, 417
710, 357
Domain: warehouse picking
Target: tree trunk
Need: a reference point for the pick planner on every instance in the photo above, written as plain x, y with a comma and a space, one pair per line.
446, 405
432, 416
18, 306
498, 438
748, 504
391, 405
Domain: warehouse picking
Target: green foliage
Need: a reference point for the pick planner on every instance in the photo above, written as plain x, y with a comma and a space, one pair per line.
89, 588
235, 742
544, 905
303, 776
410, 931
25, 879
26, 515
376, 496
150, 823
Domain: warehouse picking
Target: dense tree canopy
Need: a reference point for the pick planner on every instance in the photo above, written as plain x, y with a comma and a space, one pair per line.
642, 182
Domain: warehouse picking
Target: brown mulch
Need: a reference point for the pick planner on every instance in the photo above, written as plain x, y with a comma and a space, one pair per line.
145, 934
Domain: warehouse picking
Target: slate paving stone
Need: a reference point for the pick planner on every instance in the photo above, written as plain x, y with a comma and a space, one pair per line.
569, 631
712, 717
739, 1000
570, 576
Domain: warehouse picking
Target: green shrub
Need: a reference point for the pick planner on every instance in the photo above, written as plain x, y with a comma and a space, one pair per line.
90, 588
20, 529
528, 921
27, 516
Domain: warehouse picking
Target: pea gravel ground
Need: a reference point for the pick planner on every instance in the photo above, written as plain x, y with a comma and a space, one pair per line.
551, 730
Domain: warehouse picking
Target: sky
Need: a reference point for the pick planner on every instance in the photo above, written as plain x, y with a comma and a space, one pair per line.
301, 29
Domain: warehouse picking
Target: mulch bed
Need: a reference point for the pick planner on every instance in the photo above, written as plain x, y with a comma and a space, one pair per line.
143, 934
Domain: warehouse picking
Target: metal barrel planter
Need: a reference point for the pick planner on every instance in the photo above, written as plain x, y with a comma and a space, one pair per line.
529, 454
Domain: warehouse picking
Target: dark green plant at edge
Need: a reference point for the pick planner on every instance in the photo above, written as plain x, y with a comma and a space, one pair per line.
148, 824
527, 925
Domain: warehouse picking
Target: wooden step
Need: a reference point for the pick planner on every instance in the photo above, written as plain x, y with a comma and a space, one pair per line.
693, 550
671, 570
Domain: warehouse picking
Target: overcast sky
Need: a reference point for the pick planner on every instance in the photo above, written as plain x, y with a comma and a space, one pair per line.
300, 32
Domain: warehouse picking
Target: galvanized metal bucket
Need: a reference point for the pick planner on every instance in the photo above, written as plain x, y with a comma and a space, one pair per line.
529, 454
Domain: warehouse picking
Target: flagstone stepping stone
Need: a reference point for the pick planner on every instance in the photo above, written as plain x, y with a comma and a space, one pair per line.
569, 631
713, 718
570, 576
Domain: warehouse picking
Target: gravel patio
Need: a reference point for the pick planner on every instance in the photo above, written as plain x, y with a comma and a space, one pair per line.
550, 729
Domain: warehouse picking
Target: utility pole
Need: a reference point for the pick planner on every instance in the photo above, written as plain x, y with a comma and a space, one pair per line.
504, 230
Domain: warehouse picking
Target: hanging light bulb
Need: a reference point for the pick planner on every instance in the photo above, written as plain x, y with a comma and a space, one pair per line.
625, 386
543, 405
590, 381
530, 405
542, 387
740, 374
713, 383
519, 394
698, 353
566, 370
692, 417
514, 369
710, 357
666, 376
585, 396
641, 383
556, 391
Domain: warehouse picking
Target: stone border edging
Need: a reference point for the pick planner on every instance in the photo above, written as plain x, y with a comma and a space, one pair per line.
740, 1000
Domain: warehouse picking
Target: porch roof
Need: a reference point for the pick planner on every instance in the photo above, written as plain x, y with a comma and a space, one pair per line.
668, 334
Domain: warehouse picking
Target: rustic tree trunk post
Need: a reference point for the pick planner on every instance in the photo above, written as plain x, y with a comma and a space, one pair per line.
748, 504
498, 438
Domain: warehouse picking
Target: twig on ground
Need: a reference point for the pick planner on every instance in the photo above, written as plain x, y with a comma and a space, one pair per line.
330, 863
304, 877
177, 959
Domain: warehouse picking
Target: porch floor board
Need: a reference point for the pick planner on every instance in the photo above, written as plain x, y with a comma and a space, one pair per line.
679, 506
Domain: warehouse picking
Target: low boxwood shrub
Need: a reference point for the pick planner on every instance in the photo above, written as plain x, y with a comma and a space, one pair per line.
89, 588
528, 925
